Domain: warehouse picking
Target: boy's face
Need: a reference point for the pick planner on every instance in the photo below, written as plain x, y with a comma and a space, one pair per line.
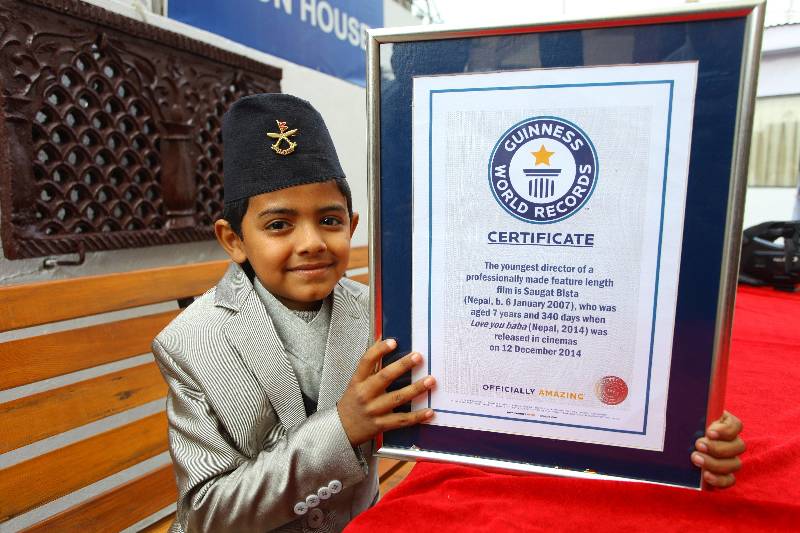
297, 241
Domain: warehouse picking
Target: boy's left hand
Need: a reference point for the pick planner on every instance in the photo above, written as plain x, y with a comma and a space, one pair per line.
718, 451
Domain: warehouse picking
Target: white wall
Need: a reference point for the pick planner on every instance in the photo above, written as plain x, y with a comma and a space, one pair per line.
779, 71
779, 74
342, 104
768, 204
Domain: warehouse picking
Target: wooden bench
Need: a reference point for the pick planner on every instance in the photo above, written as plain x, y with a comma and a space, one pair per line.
50, 446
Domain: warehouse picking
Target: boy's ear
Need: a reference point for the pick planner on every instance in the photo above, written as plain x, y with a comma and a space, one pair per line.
353, 223
230, 241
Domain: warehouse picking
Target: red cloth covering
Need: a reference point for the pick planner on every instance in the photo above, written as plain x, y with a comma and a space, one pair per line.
762, 391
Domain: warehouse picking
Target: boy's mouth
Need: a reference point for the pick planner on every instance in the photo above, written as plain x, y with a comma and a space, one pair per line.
311, 269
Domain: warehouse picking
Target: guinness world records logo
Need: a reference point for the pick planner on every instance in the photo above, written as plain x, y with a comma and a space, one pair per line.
543, 169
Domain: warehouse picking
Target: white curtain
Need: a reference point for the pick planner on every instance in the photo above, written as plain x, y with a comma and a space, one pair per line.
775, 147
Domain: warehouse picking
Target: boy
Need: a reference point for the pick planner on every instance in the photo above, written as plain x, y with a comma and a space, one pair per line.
272, 408
257, 366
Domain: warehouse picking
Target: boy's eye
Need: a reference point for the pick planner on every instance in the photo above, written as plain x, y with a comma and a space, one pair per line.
331, 221
276, 225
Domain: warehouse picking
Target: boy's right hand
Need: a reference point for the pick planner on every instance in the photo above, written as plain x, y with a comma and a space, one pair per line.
366, 408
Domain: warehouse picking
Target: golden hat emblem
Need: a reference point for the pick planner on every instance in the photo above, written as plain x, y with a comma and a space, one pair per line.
283, 136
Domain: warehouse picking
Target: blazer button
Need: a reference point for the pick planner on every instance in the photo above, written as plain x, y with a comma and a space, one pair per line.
300, 508
315, 518
335, 486
312, 500
324, 493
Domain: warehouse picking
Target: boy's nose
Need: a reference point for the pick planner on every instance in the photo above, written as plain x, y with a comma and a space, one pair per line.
311, 241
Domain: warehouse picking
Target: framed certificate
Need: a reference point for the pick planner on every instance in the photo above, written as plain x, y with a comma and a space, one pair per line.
556, 225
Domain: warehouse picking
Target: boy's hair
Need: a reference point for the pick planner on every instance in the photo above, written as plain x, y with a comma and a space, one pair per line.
233, 212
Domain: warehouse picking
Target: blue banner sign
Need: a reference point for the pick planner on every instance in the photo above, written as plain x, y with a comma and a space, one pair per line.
326, 35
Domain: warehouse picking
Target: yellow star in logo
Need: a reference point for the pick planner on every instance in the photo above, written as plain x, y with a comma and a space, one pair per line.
542, 156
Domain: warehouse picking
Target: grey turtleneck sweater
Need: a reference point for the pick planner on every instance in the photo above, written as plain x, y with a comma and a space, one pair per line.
304, 335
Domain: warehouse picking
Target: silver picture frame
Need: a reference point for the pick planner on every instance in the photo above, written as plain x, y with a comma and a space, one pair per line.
753, 14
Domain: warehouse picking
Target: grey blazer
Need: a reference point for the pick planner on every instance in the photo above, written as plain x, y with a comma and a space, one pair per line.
246, 456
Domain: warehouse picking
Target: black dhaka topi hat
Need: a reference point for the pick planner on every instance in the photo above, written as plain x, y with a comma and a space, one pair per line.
273, 141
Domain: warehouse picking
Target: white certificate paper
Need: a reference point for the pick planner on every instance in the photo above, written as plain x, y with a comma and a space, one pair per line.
548, 216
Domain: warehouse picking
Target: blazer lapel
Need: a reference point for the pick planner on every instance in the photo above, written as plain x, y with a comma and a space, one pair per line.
252, 333
347, 340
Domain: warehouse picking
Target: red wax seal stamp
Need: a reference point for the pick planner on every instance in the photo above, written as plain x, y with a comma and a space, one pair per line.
611, 390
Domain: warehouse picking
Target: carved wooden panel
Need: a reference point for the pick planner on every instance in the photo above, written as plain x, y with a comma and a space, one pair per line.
111, 129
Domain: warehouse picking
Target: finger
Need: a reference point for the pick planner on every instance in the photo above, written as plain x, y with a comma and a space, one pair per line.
727, 427
366, 366
389, 373
400, 420
720, 481
715, 465
390, 400
720, 448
